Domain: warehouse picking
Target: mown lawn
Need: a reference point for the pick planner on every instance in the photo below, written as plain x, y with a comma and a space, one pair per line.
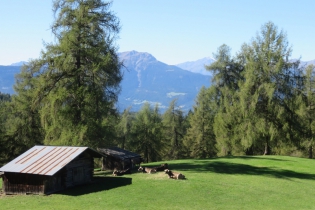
258, 182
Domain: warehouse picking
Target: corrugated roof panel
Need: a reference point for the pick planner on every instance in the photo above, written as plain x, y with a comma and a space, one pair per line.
43, 160
118, 152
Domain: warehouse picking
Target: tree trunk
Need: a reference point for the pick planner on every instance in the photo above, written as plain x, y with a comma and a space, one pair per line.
267, 149
310, 152
147, 154
249, 151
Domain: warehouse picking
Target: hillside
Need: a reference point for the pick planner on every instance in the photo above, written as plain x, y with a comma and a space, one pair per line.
236, 182
7, 78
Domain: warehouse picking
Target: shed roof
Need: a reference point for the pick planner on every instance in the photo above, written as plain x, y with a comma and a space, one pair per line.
118, 153
45, 160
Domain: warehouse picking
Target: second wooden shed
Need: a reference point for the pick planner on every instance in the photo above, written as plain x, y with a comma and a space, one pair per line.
120, 159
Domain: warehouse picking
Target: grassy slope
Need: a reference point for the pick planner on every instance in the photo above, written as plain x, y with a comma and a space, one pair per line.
260, 182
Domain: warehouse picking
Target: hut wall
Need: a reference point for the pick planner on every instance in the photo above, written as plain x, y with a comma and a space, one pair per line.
54, 183
79, 171
111, 163
17, 183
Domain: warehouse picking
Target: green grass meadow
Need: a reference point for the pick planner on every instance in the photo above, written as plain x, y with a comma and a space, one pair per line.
247, 182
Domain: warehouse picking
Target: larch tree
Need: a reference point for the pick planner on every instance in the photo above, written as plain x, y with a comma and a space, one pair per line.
265, 88
77, 78
173, 129
22, 125
123, 128
306, 110
7, 150
226, 76
146, 131
200, 137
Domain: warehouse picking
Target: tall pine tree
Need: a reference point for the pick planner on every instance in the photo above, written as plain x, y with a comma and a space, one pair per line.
147, 135
200, 137
77, 78
173, 129
265, 88
307, 110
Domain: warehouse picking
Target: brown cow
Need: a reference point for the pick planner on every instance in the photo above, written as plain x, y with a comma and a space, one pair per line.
174, 175
122, 172
147, 170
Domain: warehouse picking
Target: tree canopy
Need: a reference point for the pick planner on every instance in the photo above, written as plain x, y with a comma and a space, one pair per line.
70, 91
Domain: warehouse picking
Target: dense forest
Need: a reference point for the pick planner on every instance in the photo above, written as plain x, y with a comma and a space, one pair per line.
261, 101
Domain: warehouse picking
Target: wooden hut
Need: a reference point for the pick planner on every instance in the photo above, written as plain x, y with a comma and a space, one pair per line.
120, 159
47, 169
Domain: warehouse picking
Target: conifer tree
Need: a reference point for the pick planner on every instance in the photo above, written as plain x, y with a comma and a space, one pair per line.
226, 72
146, 133
123, 128
173, 126
200, 136
265, 88
22, 125
307, 110
76, 80
226, 76
4, 115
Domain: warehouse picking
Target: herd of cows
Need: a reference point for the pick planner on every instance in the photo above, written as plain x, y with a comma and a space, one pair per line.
162, 167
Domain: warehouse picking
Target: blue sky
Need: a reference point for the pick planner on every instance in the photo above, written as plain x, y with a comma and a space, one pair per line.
174, 31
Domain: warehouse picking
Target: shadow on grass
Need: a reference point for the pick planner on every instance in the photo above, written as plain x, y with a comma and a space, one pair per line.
99, 184
222, 167
252, 157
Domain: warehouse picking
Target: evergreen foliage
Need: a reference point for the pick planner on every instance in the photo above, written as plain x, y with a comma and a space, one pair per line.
22, 122
80, 75
67, 96
265, 94
174, 130
306, 111
227, 75
146, 133
200, 137
123, 128
257, 94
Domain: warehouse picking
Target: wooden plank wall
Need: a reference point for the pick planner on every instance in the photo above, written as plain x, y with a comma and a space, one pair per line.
79, 171
16, 183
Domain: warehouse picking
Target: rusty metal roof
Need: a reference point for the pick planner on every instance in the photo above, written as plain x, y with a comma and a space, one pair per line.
118, 153
45, 160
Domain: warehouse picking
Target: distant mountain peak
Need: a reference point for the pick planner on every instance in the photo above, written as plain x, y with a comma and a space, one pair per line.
148, 80
205, 59
197, 66
136, 57
21, 63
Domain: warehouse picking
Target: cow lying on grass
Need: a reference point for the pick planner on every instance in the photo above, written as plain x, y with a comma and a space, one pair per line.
162, 167
147, 170
122, 172
174, 175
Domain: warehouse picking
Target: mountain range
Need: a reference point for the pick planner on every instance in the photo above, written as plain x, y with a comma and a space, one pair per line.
145, 79
148, 80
